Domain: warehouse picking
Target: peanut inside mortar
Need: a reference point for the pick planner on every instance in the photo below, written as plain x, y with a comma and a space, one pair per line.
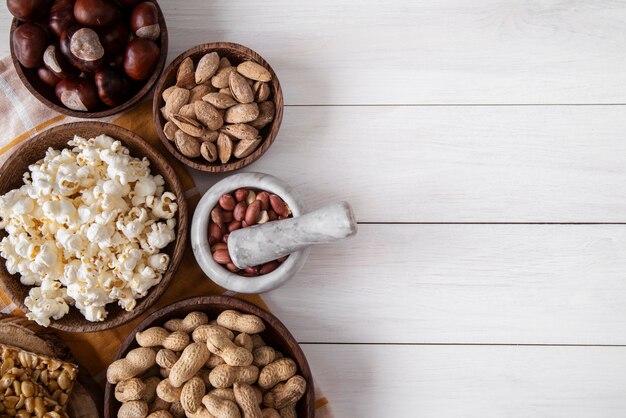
241, 209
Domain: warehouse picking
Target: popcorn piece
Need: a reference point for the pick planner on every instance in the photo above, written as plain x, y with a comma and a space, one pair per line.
86, 228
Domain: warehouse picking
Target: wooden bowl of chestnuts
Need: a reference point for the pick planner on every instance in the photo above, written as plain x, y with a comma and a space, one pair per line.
88, 58
218, 107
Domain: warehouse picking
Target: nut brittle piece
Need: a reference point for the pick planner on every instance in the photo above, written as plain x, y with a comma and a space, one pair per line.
34, 385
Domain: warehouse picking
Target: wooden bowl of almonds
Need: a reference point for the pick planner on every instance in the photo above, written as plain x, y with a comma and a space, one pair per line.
218, 107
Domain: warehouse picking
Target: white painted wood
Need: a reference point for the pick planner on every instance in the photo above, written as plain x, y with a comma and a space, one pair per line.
456, 164
406, 51
516, 284
471, 382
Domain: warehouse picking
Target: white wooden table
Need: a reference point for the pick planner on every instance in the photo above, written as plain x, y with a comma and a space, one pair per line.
483, 146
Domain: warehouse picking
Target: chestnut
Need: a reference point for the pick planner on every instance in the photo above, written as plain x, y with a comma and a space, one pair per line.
112, 87
29, 42
141, 58
144, 21
79, 94
117, 62
82, 47
48, 77
28, 10
54, 61
61, 16
96, 13
114, 38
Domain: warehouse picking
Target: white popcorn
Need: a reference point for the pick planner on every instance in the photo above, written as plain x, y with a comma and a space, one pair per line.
86, 228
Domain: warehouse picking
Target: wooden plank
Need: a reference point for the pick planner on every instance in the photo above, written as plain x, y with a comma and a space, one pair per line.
450, 51
456, 164
512, 284
471, 382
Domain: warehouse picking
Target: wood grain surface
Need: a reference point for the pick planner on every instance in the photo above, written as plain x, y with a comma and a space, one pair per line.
482, 146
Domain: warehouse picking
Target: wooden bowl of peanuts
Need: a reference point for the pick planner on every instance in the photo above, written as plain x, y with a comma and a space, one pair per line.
218, 107
210, 356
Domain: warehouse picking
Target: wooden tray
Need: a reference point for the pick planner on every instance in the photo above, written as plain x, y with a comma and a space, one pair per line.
86, 400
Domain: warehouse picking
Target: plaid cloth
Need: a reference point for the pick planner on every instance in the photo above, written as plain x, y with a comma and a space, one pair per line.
24, 117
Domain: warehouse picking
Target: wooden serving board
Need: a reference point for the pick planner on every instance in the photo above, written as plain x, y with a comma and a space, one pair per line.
86, 400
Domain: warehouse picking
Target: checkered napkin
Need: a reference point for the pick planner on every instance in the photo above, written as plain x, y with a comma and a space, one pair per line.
22, 117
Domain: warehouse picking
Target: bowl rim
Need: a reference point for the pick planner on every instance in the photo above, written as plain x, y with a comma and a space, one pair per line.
177, 251
200, 227
236, 304
267, 141
132, 101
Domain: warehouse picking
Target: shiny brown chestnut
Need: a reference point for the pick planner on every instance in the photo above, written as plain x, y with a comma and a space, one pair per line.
56, 62
61, 16
114, 38
82, 47
112, 87
144, 21
80, 94
96, 13
29, 43
48, 77
140, 58
28, 10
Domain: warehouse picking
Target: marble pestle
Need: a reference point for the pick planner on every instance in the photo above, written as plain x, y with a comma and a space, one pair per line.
260, 244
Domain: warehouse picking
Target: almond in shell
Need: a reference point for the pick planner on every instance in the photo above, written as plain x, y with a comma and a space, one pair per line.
224, 148
198, 92
254, 71
185, 67
240, 89
208, 115
187, 145
246, 147
169, 129
224, 62
177, 99
220, 79
219, 100
267, 111
209, 136
187, 125
240, 131
207, 66
261, 91
208, 150
242, 113
187, 81
188, 111
166, 93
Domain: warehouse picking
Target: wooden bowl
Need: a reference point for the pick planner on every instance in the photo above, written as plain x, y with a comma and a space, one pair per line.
57, 137
45, 94
236, 54
275, 335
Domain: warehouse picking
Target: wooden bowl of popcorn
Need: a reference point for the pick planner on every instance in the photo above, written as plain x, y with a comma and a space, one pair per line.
95, 235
